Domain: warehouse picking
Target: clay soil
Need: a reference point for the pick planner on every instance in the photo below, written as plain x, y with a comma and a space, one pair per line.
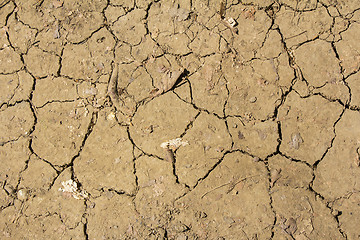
263, 94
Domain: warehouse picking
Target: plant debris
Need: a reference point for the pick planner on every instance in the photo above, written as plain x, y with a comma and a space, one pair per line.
168, 82
71, 187
174, 143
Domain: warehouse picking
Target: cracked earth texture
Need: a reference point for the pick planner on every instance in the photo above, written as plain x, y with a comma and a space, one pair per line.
270, 109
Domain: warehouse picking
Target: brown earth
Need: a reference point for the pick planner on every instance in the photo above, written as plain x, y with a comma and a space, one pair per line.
269, 109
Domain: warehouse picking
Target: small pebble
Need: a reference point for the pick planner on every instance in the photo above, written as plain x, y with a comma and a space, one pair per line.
22, 194
117, 160
111, 116
253, 99
232, 22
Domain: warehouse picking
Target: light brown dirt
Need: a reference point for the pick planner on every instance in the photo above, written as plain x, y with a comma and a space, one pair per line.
269, 110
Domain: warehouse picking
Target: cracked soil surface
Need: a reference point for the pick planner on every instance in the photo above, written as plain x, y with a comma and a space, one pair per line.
269, 107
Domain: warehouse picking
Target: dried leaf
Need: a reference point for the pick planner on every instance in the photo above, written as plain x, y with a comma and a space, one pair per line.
168, 81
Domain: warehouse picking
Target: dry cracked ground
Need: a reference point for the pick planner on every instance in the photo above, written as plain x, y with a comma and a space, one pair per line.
269, 109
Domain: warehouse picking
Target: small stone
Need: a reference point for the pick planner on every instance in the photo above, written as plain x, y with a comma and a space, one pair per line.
232, 22
207, 148
117, 160
256, 159
111, 116
23, 194
253, 99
